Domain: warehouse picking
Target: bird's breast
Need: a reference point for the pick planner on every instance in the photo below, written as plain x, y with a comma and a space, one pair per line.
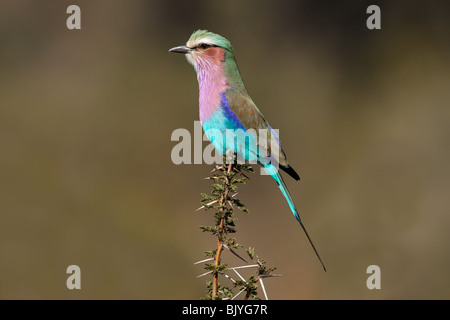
212, 84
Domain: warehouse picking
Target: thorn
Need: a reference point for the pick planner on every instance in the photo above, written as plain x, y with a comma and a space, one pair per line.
249, 266
237, 294
204, 274
228, 277
208, 204
263, 288
216, 168
235, 253
203, 260
270, 275
240, 172
240, 276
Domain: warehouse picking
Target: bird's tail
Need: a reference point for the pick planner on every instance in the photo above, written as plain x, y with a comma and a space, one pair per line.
274, 173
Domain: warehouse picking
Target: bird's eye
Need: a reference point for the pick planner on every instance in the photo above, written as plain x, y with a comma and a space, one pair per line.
204, 46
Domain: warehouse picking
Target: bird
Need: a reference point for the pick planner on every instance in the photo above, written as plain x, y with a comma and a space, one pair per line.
224, 104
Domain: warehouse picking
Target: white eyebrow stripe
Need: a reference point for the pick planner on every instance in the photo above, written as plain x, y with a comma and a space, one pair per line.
206, 40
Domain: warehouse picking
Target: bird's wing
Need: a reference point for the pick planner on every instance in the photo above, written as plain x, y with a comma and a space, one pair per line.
251, 118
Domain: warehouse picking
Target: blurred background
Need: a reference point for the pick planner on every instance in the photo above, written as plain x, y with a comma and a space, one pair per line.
86, 176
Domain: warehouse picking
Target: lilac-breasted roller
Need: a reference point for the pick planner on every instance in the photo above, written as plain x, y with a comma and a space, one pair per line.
225, 106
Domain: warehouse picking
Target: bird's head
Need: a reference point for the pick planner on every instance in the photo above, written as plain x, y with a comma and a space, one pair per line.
205, 48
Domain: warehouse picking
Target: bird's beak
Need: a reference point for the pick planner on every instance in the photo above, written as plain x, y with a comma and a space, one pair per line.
180, 49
